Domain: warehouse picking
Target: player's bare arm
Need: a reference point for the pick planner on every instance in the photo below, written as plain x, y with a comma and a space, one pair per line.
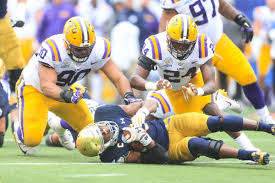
113, 72
227, 10
137, 80
48, 78
208, 74
166, 15
132, 108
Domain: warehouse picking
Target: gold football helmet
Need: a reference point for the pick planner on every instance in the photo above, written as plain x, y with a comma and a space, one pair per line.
181, 34
79, 38
90, 141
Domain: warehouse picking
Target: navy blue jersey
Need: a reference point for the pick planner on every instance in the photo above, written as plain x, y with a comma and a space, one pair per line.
117, 153
4, 102
3, 8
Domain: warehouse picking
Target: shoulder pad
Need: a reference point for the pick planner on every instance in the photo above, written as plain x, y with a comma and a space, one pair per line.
205, 46
170, 4
152, 48
107, 49
53, 49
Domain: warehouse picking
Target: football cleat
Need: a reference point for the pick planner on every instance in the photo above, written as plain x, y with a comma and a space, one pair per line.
260, 157
66, 140
273, 130
25, 149
224, 102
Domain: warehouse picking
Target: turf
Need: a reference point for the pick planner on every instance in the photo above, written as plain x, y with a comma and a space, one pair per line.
57, 165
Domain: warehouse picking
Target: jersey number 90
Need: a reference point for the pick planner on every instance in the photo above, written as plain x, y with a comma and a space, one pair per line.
70, 77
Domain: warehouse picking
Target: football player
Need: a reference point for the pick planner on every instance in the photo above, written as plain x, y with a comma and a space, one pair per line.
228, 58
10, 50
61, 136
183, 59
179, 135
44, 84
4, 103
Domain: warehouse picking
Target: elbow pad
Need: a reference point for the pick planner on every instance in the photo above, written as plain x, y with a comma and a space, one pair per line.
156, 155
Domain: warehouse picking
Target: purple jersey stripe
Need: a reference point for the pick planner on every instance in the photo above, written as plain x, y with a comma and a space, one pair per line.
205, 46
22, 107
164, 100
46, 65
152, 46
159, 49
212, 98
200, 46
59, 57
106, 49
51, 50
160, 103
173, 1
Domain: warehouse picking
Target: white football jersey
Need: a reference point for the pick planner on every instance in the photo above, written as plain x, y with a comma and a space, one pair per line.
164, 108
178, 72
52, 54
204, 12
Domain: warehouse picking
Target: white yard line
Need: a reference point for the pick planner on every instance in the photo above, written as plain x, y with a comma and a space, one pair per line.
63, 164
98, 175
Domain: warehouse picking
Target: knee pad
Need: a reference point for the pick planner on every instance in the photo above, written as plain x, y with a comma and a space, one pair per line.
205, 146
214, 148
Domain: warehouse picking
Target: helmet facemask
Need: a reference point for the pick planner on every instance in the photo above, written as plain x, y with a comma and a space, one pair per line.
78, 54
180, 49
90, 141
114, 131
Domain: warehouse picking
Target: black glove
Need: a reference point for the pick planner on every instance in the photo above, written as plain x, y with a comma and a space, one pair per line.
130, 98
70, 96
246, 28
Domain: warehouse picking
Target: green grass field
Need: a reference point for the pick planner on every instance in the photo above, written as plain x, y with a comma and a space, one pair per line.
58, 165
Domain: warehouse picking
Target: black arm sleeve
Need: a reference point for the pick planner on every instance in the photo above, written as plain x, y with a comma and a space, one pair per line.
146, 63
157, 155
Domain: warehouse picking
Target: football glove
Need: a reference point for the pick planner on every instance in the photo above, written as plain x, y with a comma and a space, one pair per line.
192, 90
246, 28
130, 98
139, 118
71, 96
137, 134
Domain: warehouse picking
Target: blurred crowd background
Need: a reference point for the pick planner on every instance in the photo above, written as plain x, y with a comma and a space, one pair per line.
126, 23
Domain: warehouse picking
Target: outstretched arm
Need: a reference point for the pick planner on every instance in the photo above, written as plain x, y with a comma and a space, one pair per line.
227, 10
231, 13
113, 72
208, 74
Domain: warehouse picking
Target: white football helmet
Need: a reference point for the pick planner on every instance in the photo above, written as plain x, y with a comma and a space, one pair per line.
90, 141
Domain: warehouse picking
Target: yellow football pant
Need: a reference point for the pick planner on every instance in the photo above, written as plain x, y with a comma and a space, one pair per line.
182, 102
33, 109
10, 50
230, 60
181, 128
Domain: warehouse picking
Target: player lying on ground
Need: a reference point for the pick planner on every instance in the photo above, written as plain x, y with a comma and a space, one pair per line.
65, 136
175, 139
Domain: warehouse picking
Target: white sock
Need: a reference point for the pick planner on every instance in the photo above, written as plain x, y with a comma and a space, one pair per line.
245, 142
54, 123
263, 113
